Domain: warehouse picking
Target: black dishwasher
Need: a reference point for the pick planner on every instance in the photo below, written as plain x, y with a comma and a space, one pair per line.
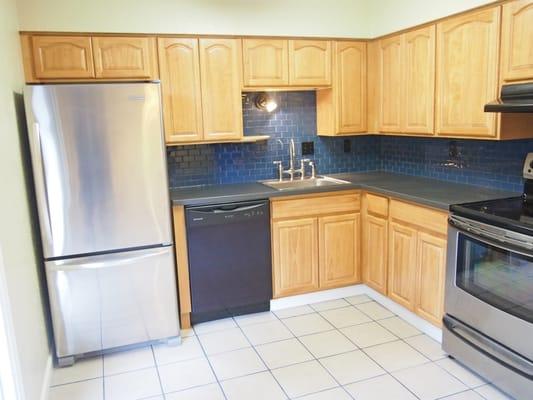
229, 259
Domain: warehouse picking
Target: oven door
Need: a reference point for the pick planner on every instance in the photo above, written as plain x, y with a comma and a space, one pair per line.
489, 283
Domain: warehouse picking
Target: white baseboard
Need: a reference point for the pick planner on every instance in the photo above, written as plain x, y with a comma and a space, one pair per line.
334, 294
45, 389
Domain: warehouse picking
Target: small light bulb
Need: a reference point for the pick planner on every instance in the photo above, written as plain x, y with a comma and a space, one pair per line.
271, 105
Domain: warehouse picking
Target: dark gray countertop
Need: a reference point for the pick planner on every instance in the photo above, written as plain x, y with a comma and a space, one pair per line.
426, 191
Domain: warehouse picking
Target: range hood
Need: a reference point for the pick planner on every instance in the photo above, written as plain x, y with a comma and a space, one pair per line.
513, 99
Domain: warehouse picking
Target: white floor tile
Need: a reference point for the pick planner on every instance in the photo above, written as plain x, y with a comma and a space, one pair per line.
283, 353
327, 343
130, 360
351, 367
89, 368
185, 375
395, 355
330, 394
154, 398
214, 326
187, 332
468, 395
307, 324
188, 349
260, 386
294, 311
236, 363
374, 310
381, 387
462, 373
266, 332
306, 378
330, 305
207, 392
429, 382
251, 319
361, 298
369, 334
427, 346
490, 392
226, 340
86, 390
343, 317
399, 327
132, 385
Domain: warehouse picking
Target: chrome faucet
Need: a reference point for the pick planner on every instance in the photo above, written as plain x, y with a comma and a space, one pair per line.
291, 171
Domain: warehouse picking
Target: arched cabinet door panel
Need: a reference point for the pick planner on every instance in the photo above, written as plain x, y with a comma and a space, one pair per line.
310, 62
265, 62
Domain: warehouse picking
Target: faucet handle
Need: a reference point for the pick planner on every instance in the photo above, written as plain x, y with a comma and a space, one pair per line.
313, 169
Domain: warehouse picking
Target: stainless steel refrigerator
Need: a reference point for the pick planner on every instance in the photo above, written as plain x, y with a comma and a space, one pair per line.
100, 176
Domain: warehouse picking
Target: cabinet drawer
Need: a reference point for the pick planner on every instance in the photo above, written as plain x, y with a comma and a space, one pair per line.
423, 217
304, 206
377, 205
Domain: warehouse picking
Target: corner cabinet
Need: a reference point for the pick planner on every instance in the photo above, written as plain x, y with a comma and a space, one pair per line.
315, 242
310, 62
467, 74
517, 34
342, 109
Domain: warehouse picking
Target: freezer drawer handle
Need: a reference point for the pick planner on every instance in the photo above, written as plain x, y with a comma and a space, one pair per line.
490, 348
79, 264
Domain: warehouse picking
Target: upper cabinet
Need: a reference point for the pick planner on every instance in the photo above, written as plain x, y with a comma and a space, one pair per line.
80, 58
467, 74
406, 65
56, 57
220, 72
341, 110
310, 62
517, 35
125, 57
265, 62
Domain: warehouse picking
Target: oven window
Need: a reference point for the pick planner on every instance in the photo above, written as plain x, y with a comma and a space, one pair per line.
499, 277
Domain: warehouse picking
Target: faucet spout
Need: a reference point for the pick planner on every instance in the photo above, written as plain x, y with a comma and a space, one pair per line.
291, 154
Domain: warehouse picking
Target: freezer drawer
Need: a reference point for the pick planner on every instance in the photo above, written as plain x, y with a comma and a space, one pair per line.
112, 300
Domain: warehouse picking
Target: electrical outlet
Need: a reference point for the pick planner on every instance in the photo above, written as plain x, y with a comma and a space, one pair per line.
347, 146
308, 148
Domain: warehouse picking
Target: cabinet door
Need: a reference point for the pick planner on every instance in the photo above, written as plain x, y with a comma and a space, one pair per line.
309, 62
402, 264
375, 249
265, 62
350, 69
62, 57
220, 71
517, 34
431, 265
179, 65
295, 256
467, 73
390, 70
419, 91
339, 250
124, 57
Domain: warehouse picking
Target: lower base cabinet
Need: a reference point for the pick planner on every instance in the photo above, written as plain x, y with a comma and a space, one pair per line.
375, 251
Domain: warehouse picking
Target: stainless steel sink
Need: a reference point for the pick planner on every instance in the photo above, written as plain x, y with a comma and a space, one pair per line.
307, 183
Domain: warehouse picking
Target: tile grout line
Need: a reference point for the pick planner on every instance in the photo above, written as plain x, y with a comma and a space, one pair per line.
157, 371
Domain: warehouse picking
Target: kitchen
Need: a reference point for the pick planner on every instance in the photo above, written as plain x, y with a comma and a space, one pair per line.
335, 158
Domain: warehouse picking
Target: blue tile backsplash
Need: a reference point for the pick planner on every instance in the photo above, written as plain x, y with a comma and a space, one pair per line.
482, 163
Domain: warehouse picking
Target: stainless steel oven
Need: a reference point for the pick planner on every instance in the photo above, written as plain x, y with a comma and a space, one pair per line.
488, 324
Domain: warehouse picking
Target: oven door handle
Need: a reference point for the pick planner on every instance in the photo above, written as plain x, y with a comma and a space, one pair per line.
495, 351
502, 241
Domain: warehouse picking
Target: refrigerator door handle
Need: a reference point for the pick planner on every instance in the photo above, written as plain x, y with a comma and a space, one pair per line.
41, 190
78, 264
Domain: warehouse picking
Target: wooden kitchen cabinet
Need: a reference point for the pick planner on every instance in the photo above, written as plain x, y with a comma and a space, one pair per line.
125, 57
339, 255
390, 63
517, 36
220, 72
430, 275
60, 57
402, 264
265, 62
309, 62
179, 65
342, 109
295, 256
467, 74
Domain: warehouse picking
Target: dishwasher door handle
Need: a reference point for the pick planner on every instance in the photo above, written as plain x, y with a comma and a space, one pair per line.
231, 210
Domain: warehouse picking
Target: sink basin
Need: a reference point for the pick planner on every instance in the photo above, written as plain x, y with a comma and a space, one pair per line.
319, 181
